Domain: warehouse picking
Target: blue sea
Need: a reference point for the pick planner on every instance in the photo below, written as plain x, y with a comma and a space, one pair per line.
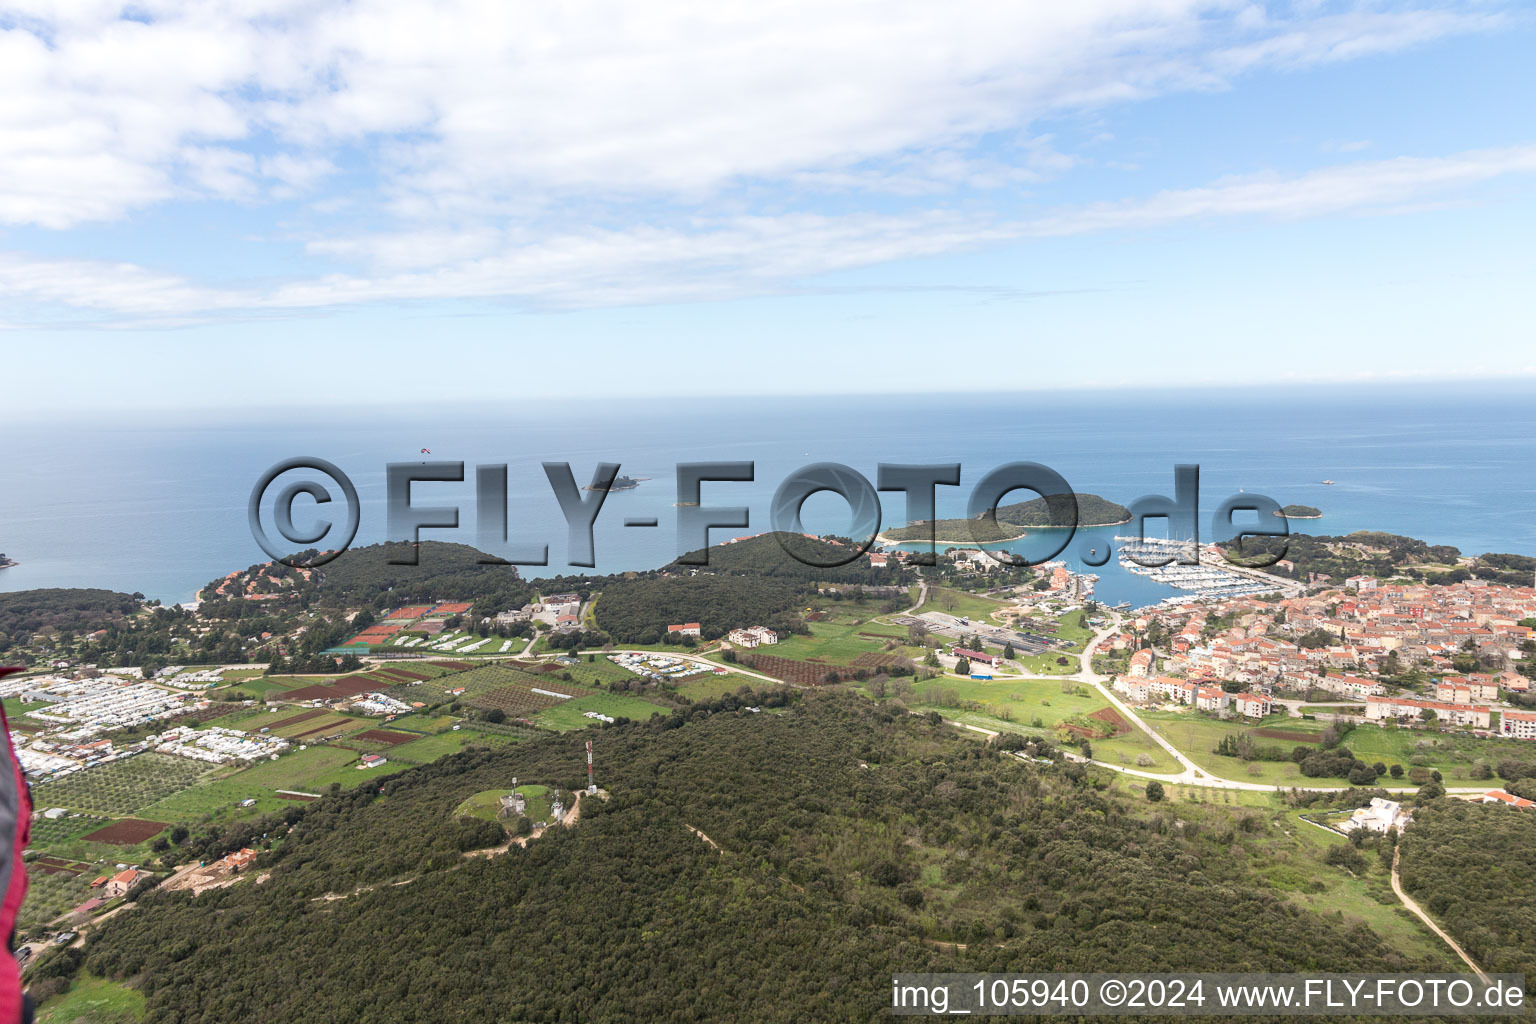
157, 503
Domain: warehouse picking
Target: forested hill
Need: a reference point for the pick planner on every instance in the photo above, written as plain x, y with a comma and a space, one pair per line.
1364, 553
638, 611
847, 833
763, 555
24, 612
1092, 510
365, 576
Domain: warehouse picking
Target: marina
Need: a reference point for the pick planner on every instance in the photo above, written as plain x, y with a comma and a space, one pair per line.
1185, 572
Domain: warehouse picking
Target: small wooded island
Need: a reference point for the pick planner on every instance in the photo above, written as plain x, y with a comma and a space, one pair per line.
620, 483
1013, 522
1300, 512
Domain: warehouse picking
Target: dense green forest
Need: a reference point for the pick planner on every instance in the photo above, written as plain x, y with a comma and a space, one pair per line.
1473, 867
25, 612
443, 571
763, 555
1092, 510
638, 611
846, 840
1365, 553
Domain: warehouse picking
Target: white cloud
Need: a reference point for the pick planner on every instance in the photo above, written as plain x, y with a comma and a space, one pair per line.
726, 257
463, 108
1376, 185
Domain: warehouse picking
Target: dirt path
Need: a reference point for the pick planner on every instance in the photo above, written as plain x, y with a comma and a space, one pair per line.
712, 844
1408, 901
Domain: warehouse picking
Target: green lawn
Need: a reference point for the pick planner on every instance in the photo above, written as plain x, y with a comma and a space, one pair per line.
709, 687
834, 643
958, 602
568, 714
1015, 705
1048, 665
1197, 735
216, 799
93, 1001
487, 804
1073, 626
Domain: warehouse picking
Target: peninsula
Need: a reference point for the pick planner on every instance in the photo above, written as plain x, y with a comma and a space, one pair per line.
1013, 522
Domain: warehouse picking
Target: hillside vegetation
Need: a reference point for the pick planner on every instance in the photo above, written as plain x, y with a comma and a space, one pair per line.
24, 612
841, 836
638, 611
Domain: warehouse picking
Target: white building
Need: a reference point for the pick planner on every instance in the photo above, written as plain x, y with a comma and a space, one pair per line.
1378, 816
1518, 725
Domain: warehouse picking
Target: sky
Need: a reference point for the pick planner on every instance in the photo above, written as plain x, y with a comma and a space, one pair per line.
273, 202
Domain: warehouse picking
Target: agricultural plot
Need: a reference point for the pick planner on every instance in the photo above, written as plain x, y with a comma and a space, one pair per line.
571, 714
386, 736
128, 832
263, 688
796, 673
52, 893
506, 687
216, 799
430, 748
123, 786
346, 686
296, 769
321, 728
52, 831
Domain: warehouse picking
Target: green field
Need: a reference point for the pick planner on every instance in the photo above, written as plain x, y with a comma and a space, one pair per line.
258, 686
832, 642
1048, 664
709, 687
569, 713
1452, 754
93, 1001
958, 602
216, 799
430, 748
1015, 705
1074, 626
